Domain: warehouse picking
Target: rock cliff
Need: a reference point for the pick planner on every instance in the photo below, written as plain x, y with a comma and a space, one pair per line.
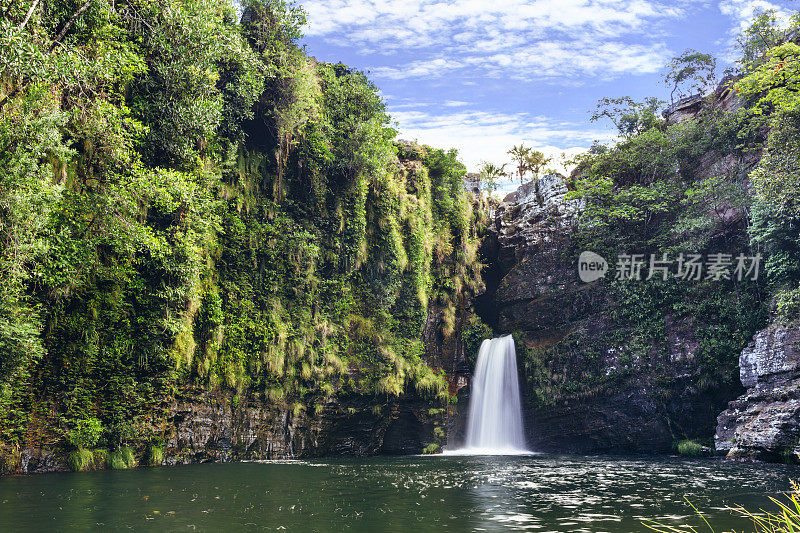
207, 427
764, 423
204, 429
588, 389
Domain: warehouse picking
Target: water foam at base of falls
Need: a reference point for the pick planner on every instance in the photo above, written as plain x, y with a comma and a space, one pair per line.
494, 424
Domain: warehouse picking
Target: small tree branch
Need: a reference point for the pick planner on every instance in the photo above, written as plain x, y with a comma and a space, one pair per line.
28, 16
69, 24
56, 42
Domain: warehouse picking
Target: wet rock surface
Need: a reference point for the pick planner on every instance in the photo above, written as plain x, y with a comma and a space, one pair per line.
205, 430
206, 427
764, 423
533, 289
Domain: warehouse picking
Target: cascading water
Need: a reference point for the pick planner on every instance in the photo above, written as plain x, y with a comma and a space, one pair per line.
494, 426
495, 414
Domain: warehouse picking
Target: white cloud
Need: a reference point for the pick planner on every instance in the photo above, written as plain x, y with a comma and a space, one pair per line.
519, 38
563, 60
408, 23
419, 69
482, 136
743, 11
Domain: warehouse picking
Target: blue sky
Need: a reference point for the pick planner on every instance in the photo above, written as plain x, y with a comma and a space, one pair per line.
481, 75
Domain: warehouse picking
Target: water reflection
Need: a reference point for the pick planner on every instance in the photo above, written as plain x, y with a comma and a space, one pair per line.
524, 493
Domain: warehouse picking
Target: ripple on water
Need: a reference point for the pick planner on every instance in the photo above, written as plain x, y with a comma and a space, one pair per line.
452, 493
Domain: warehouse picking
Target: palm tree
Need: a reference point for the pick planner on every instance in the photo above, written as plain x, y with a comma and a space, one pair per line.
520, 154
490, 174
535, 161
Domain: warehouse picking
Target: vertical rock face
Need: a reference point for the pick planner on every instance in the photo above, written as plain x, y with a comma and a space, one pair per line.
205, 427
773, 352
532, 226
688, 108
208, 429
593, 391
764, 423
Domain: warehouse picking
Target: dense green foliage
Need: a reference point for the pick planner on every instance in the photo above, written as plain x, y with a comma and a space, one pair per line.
725, 181
651, 194
188, 201
772, 90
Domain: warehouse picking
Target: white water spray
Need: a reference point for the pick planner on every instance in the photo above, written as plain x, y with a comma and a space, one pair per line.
495, 415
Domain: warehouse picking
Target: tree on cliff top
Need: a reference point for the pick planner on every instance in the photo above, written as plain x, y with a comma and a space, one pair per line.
692, 72
527, 160
628, 116
490, 174
536, 162
519, 155
763, 34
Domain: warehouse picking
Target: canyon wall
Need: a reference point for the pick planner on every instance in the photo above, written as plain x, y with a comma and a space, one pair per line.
764, 423
610, 397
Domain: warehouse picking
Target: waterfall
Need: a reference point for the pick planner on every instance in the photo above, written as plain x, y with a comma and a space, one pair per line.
494, 425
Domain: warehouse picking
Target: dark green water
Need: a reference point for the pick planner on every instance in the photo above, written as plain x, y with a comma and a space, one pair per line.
533, 493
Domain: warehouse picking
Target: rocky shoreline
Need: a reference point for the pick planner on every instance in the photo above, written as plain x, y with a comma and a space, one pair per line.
764, 423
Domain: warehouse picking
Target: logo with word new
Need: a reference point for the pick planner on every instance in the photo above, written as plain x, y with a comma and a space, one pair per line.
591, 267
687, 267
